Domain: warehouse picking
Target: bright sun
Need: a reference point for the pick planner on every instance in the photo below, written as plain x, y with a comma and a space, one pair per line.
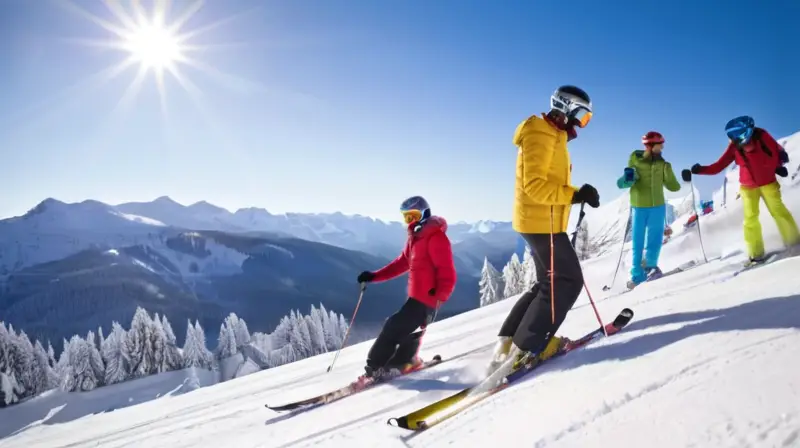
154, 47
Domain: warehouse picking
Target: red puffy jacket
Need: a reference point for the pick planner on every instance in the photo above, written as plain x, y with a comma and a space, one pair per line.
428, 259
757, 160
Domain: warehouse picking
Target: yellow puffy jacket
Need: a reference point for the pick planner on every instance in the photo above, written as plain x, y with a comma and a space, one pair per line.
543, 178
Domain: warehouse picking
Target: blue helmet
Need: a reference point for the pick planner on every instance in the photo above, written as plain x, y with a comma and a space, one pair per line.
740, 129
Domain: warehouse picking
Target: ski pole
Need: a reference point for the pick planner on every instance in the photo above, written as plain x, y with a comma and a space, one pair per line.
347, 333
594, 307
552, 271
694, 208
621, 251
578, 225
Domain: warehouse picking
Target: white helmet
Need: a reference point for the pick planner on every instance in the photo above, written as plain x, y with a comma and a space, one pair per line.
574, 103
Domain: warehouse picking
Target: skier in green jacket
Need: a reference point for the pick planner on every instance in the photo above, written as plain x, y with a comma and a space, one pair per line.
646, 175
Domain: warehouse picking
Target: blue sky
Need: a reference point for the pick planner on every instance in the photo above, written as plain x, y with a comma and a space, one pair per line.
354, 105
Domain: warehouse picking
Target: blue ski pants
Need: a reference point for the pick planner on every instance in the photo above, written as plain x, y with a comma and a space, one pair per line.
647, 234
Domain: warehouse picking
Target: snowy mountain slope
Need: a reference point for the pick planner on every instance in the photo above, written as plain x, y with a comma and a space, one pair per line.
63, 229
709, 360
351, 232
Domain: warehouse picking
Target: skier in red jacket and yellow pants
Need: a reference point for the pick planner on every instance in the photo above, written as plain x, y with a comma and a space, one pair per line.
760, 158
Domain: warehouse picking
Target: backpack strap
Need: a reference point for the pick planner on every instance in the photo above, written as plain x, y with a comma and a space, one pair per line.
757, 138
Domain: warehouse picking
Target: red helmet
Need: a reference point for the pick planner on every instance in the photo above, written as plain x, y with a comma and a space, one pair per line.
652, 138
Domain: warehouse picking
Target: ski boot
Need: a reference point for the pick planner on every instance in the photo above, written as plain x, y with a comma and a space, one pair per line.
753, 261
500, 354
414, 364
553, 347
653, 273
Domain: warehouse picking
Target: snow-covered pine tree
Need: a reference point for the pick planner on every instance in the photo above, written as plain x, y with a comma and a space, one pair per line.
317, 331
239, 328
11, 391
300, 336
327, 329
528, 270
138, 345
81, 374
43, 375
21, 356
172, 356
100, 337
115, 356
512, 277
206, 357
62, 366
582, 245
343, 326
51, 355
158, 339
95, 360
226, 342
490, 287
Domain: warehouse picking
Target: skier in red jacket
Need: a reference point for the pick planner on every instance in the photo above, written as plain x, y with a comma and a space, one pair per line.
428, 259
760, 159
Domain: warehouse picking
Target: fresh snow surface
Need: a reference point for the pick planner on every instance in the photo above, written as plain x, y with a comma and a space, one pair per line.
710, 360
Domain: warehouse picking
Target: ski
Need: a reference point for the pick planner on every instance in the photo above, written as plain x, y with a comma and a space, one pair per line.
346, 391
439, 411
768, 259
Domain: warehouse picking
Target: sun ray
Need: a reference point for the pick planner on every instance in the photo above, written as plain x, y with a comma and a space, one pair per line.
120, 32
67, 95
185, 16
182, 37
119, 12
161, 10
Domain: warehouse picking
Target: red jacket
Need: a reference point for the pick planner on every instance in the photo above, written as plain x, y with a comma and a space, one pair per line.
428, 259
756, 167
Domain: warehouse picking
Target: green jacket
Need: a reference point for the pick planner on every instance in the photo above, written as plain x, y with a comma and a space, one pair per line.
650, 178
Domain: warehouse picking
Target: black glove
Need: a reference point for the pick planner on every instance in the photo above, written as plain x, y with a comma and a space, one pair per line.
686, 175
696, 168
587, 194
365, 277
783, 156
781, 171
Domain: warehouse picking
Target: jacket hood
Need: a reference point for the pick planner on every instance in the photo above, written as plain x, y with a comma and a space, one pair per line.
432, 224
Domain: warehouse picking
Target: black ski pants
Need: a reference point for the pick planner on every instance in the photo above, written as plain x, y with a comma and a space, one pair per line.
530, 321
399, 341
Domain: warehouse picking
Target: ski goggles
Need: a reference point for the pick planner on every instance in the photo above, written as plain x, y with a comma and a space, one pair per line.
740, 135
412, 215
582, 116
574, 110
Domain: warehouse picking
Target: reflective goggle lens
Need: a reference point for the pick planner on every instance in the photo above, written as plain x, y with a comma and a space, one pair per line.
740, 135
582, 116
410, 216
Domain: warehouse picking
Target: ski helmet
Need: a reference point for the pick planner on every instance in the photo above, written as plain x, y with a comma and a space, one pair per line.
652, 138
415, 209
574, 103
740, 129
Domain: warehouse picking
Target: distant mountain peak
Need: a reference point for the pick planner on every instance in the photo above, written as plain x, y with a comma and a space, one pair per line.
165, 200
207, 207
43, 207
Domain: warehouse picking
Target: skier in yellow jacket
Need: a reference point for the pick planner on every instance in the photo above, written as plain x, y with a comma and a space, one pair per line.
543, 198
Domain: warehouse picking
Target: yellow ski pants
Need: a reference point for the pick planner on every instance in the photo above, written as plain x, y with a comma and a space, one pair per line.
787, 226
